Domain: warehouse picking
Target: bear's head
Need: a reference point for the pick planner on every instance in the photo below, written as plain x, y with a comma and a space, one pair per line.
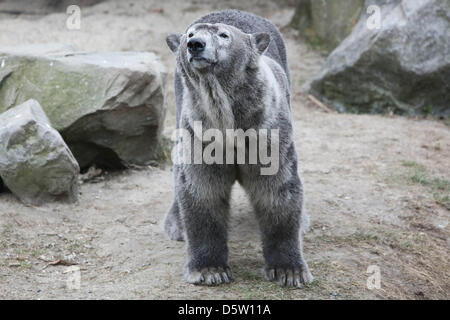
217, 48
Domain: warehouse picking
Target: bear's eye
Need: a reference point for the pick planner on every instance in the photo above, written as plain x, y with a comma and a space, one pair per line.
223, 35
190, 35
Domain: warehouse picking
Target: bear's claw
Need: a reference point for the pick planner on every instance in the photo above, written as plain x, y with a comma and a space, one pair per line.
209, 276
291, 277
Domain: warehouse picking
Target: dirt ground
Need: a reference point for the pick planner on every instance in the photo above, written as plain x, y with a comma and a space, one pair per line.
377, 191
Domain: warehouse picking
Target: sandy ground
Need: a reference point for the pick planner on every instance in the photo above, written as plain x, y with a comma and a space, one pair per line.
377, 191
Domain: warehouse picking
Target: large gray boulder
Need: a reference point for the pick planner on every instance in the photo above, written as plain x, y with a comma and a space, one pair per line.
41, 6
326, 23
35, 163
402, 67
109, 107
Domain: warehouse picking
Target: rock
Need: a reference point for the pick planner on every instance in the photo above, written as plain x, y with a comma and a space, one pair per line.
41, 6
109, 107
326, 23
403, 67
47, 50
35, 163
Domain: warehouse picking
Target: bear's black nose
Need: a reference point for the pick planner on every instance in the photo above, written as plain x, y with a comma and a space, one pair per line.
196, 45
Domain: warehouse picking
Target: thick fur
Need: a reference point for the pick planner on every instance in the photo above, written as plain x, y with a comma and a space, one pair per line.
246, 86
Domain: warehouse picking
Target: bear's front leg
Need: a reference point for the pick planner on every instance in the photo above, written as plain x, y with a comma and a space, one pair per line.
282, 250
204, 205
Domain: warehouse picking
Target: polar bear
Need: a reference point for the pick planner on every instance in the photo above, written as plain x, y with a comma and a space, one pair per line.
232, 73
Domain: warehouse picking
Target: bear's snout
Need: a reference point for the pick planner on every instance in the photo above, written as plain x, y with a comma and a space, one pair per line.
196, 46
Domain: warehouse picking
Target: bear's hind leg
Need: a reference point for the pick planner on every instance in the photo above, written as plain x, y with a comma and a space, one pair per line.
173, 225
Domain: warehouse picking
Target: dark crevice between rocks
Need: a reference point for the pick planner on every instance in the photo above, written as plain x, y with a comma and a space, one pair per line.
95, 138
3, 187
89, 154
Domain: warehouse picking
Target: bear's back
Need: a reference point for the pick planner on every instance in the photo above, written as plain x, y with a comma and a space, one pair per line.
250, 23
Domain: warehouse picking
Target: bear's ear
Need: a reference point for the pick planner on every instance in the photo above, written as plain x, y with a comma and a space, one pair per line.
173, 41
261, 41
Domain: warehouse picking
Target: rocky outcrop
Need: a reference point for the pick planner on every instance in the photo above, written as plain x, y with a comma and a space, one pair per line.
35, 163
326, 23
402, 67
41, 6
109, 107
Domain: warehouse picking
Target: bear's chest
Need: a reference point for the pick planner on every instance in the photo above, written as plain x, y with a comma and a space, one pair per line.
214, 106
